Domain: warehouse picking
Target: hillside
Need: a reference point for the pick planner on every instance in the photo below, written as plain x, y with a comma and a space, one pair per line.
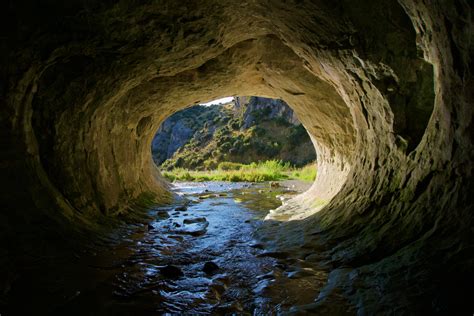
249, 129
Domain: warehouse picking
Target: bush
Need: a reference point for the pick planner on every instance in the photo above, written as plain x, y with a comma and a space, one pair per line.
271, 170
227, 165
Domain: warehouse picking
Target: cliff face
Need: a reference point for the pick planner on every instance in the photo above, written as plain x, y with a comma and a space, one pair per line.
245, 130
174, 133
270, 108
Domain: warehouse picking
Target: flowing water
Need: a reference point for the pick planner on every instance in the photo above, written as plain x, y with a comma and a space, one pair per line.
198, 256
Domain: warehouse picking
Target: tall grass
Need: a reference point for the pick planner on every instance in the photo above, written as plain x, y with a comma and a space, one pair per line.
271, 170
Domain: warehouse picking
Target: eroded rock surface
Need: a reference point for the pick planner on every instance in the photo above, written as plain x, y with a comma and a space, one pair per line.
383, 88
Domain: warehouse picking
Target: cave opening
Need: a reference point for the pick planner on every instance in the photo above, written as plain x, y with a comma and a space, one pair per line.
239, 133
87, 218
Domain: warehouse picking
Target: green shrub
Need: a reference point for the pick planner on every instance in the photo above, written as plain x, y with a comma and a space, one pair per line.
226, 165
271, 170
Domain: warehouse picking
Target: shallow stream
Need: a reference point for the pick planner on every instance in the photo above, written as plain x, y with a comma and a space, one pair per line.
198, 256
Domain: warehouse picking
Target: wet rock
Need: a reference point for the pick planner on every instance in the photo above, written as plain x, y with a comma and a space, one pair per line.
181, 208
176, 237
194, 220
162, 214
257, 245
282, 266
224, 280
300, 273
229, 308
217, 289
205, 196
270, 275
171, 272
194, 229
210, 267
274, 254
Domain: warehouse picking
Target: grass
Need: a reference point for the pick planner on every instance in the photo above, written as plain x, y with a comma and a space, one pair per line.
271, 170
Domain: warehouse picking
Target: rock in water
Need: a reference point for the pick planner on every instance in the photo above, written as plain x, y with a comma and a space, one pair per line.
162, 214
181, 208
194, 220
210, 267
150, 227
171, 272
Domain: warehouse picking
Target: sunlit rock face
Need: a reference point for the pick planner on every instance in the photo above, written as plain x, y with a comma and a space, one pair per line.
384, 88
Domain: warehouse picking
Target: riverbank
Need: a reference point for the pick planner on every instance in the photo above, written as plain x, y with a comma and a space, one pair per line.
271, 170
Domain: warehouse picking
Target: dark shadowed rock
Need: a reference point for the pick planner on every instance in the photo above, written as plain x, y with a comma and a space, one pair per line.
171, 272
210, 267
181, 208
162, 215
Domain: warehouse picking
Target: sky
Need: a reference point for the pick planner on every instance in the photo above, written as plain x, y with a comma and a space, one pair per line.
218, 101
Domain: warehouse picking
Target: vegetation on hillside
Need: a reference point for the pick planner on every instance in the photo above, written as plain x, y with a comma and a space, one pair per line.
271, 170
223, 135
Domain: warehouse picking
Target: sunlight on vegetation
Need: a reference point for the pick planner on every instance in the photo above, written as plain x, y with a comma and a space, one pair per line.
271, 170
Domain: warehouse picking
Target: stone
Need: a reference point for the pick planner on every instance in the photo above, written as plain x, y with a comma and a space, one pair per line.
162, 215
229, 308
194, 229
205, 196
171, 272
181, 208
194, 220
210, 267
274, 184
274, 254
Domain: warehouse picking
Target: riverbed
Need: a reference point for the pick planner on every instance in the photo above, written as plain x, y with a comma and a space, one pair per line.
199, 255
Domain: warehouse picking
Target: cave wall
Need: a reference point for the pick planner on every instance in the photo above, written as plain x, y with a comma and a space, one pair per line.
383, 88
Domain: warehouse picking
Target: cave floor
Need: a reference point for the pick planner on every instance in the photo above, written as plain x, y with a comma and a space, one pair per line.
165, 265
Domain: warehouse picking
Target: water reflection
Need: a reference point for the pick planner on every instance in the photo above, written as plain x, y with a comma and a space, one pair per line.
161, 267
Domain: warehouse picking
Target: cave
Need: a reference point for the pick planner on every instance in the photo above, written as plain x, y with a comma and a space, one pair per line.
382, 87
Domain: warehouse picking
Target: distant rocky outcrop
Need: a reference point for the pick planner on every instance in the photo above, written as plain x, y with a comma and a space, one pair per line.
272, 108
245, 130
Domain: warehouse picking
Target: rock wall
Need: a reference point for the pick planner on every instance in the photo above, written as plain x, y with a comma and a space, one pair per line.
383, 88
276, 109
